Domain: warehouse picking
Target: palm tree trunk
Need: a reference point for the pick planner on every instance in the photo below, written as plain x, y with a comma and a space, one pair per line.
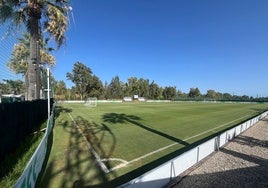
33, 86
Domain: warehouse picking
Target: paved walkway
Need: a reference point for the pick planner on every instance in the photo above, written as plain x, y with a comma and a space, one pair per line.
242, 163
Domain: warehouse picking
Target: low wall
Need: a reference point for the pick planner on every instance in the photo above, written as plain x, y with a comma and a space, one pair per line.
158, 101
34, 166
164, 173
99, 101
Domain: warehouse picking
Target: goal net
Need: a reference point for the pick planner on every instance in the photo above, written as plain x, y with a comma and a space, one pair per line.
91, 102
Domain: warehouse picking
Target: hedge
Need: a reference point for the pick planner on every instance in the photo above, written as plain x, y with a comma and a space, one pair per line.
17, 120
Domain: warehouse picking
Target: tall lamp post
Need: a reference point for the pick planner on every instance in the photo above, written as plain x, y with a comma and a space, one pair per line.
48, 94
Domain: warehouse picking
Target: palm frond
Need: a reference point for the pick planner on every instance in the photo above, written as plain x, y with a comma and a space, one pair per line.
19, 17
56, 24
59, 6
12, 3
6, 12
47, 58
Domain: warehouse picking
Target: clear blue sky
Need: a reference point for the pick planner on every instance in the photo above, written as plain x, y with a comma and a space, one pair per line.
209, 44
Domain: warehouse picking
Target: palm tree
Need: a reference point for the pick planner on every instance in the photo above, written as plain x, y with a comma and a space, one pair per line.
30, 12
20, 56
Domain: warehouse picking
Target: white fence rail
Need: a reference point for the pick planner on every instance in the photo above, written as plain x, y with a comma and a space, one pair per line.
34, 166
82, 101
161, 175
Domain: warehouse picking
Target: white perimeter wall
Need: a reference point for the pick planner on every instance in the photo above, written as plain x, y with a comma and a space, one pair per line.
99, 101
34, 166
163, 174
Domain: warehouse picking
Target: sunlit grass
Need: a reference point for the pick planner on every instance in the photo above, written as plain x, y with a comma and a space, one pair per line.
128, 131
13, 165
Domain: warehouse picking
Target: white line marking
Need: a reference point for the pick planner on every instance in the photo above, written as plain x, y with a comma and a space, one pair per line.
118, 166
151, 153
168, 146
90, 147
214, 128
115, 159
125, 163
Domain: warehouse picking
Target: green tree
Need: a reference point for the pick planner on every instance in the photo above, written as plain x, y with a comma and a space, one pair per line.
126, 90
29, 13
154, 91
194, 93
60, 90
4, 89
245, 98
211, 94
105, 90
12, 87
133, 86
95, 88
227, 96
169, 93
73, 94
81, 76
144, 87
114, 90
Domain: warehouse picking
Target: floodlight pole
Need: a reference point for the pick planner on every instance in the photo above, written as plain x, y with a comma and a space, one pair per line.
48, 94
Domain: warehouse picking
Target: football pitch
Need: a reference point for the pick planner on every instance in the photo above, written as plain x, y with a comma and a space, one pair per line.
114, 142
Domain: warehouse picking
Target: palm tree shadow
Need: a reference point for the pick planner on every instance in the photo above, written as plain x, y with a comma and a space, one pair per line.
124, 118
77, 159
61, 109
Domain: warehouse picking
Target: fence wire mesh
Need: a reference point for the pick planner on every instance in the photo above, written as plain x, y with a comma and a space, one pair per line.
8, 38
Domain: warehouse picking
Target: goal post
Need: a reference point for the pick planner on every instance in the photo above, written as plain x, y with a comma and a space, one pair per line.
91, 102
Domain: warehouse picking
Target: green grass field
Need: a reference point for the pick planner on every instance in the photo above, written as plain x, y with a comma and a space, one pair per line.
113, 142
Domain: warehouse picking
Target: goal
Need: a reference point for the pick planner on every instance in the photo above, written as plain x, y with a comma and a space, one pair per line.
91, 102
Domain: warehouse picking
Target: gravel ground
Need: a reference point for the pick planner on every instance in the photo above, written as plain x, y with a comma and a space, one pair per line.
243, 162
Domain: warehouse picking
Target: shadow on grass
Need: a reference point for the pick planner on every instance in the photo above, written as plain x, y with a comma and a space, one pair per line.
77, 165
259, 110
95, 135
249, 176
46, 170
61, 109
123, 118
81, 167
73, 164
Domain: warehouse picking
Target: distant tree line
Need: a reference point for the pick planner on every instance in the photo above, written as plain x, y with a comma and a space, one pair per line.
89, 85
12, 87
86, 85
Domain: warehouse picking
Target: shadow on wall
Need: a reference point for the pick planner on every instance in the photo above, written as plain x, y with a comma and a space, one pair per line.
245, 177
254, 176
